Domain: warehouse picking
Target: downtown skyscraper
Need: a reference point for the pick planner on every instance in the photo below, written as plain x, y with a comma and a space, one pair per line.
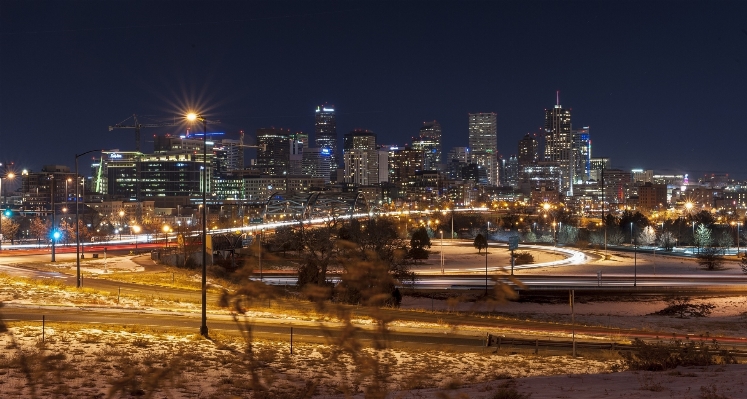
325, 133
483, 144
429, 141
559, 143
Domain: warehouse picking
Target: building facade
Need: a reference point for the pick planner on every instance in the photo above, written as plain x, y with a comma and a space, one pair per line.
483, 143
325, 132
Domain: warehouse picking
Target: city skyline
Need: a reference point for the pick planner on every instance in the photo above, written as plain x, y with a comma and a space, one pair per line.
631, 86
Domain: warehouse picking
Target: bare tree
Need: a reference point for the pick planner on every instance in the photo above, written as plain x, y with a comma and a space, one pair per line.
10, 229
710, 258
647, 236
667, 240
725, 241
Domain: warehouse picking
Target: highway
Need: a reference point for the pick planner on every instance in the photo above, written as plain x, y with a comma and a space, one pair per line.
309, 331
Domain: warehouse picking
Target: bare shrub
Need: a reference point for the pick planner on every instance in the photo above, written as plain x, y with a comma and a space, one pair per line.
682, 308
523, 258
660, 355
710, 258
508, 390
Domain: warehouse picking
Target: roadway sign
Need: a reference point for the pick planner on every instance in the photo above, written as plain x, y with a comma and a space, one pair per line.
513, 242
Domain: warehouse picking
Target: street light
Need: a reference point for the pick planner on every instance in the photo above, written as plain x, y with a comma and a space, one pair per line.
442, 252
77, 219
10, 175
737, 223
486, 268
136, 231
194, 117
166, 230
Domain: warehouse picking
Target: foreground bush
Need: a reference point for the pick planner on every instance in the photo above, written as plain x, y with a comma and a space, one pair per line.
523, 258
659, 356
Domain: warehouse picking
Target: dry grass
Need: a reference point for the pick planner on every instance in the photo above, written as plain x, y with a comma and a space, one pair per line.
69, 362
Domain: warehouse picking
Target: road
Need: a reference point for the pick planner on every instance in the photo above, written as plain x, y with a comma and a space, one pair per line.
320, 333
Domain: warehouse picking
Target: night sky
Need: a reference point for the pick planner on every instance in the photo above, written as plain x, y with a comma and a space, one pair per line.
663, 86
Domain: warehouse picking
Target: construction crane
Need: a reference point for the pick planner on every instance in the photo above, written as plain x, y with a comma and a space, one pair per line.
137, 126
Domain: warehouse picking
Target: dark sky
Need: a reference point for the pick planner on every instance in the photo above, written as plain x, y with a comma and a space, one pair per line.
663, 85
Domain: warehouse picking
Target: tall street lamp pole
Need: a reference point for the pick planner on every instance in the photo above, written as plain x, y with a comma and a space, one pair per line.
54, 216
442, 252
194, 117
486, 269
77, 219
5, 203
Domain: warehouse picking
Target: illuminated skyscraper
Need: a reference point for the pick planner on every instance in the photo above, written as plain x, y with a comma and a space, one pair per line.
558, 143
361, 158
581, 155
273, 158
325, 130
429, 141
483, 143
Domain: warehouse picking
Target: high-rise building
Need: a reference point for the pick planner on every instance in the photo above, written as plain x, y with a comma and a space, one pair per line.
298, 141
512, 171
403, 163
427, 146
357, 145
273, 157
430, 141
597, 165
316, 162
483, 143
558, 143
325, 132
460, 154
528, 151
581, 155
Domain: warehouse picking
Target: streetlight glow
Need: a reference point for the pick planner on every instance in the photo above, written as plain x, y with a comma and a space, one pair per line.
191, 116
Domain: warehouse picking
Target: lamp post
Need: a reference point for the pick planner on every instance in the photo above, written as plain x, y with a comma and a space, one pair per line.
54, 216
77, 219
259, 249
635, 258
738, 223
486, 269
631, 233
694, 240
136, 231
121, 223
195, 117
442, 252
10, 175
166, 230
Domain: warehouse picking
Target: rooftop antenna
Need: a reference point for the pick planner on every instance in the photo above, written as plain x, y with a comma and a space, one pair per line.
557, 97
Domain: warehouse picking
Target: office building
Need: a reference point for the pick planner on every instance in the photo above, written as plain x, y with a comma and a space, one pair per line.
528, 151
273, 158
403, 163
317, 163
483, 143
357, 145
581, 155
558, 144
429, 140
325, 132
652, 196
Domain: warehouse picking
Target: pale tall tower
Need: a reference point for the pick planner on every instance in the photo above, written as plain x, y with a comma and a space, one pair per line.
361, 157
483, 143
325, 132
559, 143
